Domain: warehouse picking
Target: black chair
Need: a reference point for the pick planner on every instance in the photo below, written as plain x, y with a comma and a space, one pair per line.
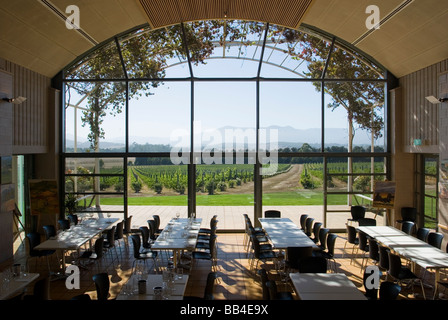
323, 234
309, 226
152, 229
389, 290
146, 243
41, 291
119, 233
402, 274
127, 228
357, 212
363, 246
374, 250
157, 229
64, 224
73, 218
303, 218
50, 231
422, 234
408, 214
102, 286
352, 239
209, 289
274, 294
209, 254
329, 252
213, 224
142, 255
407, 227
383, 262
365, 222
313, 264
109, 241
295, 254
272, 214
260, 255
316, 228
33, 241
435, 239
93, 256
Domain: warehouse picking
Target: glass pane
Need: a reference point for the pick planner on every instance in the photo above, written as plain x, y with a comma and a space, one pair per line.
103, 63
354, 117
95, 117
161, 120
94, 165
293, 109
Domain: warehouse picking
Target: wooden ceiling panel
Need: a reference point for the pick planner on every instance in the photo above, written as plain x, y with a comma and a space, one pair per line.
161, 13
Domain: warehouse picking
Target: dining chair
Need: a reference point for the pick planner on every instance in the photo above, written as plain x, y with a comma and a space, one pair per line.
127, 228
366, 222
152, 229
33, 241
41, 291
374, 251
73, 218
294, 255
94, 255
383, 253
213, 223
109, 241
313, 264
142, 256
64, 224
119, 234
274, 294
357, 212
260, 255
435, 239
422, 234
351, 239
323, 235
209, 254
407, 227
157, 229
209, 288
363, 246
272, 214
102, 285
402, 274
303, 218
316, 228
50, 231
309, 226
389, 291
329, 252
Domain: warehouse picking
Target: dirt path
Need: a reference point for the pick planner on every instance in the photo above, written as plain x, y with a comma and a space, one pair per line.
281, 182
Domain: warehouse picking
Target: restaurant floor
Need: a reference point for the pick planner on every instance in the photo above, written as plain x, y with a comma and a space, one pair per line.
236, 281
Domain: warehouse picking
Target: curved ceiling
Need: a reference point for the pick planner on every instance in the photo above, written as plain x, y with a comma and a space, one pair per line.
411, 35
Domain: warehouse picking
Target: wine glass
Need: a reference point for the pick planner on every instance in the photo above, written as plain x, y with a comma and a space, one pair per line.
177, 215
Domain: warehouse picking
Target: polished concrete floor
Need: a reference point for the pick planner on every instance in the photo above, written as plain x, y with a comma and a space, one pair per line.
236, 280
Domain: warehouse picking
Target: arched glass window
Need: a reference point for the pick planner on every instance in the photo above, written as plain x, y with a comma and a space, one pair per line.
275, 117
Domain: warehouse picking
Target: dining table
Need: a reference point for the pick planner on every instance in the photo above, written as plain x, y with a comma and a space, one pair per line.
325, 286
130, 290
179, 235
76, 236
417, 251
284, 233
11, 286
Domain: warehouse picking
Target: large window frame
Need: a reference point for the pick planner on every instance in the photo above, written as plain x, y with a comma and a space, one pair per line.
257, 80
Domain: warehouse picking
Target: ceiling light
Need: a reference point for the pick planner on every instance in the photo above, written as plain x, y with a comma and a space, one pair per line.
434, 100
17, 100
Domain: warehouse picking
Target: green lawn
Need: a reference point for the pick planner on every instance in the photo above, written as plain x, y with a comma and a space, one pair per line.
269, 199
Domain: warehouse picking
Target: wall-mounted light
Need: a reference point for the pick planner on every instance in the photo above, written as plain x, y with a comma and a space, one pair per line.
434, 100
17, 100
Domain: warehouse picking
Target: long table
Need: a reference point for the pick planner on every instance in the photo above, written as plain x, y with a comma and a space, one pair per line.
76, 236
284, 233
325, 286
415, 250
178, 235
152, 280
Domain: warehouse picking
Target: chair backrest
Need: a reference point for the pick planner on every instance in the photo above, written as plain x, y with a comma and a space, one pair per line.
389, 290
351, 234
394, 265
50, 231
256, 245
99, 246
313, 264
73, 218
316, 228
33, 241
384, 257
323, 234
264, 278
110, 235
119, 230
357, 212
156, 218
435, 239
210, 286
303, 218
367, 222
64, 224
152, 229
374, 252
362, 241
409, 214
295, 254
102, 285
407, 226
309, 226
331, 243
145, 236
272, 214
136, 244
127, 225
422, 234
